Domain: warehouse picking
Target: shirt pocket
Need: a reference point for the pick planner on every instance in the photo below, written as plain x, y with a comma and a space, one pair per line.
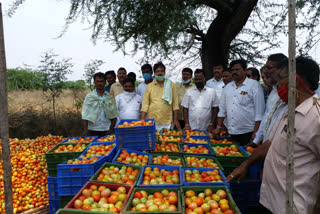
244, 99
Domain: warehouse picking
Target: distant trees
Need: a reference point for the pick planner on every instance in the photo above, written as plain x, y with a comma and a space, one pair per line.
24, 78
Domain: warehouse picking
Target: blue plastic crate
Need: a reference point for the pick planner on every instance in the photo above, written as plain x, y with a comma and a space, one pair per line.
52, 183
144, 140
70, 190
111, 154
196, 136
134, 129
80, 170
253, 192
130, 151
54, 205
204, 183
70, 138
71, 181
96, 140
168, 168
196, 145
255, 169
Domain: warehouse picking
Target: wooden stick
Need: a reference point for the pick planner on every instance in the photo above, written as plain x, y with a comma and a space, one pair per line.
4, 130
291, 107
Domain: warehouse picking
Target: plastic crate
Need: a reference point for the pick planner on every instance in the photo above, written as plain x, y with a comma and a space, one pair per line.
163, 133
203, 157
95, 176
113, 137
130, 151
64, 200
134, 129
167, 168
77, 138
230, 140
170, 156
198, 136
54, 205
111, 154
127, 208
253, 191
177, 139
197, 145
142, 140
53, 188
229, 161
169, 153
185, 183
98, 184
255, 169
198, 189
53, 159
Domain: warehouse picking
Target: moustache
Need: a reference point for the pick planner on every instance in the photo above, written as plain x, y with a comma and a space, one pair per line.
235, 75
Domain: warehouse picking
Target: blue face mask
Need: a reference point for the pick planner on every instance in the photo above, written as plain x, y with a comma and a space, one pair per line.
186, 81
147, 76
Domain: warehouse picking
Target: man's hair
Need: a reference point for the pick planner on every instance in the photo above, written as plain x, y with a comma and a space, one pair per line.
126, 80
121, 69
157, 65
241, 62
198, 71
146, 66
219, 64
112, 73
189, 70
308, 70
132, 75
99, 75
255, 72
278, 58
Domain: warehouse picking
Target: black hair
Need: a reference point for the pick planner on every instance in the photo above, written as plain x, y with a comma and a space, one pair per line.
241, 62
219, 64
255, 72
197, 71
128, 80
132, 75
189, 70
308, 70
112, 73
278, 58
159, 64
100, 75
121, 69
146, 66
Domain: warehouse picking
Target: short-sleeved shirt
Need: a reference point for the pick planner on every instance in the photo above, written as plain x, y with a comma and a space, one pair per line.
116, 89
306, 162
216, 85
155, 107
199, 104
128, 105
242, 105
181, 90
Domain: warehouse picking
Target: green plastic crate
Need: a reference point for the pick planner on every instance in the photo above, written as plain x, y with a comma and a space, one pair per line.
95, 176
232, 205
53, 159
233, 142
181, 141
162, 133
205, 157
168, 153
127, 208
174, 157
229, 161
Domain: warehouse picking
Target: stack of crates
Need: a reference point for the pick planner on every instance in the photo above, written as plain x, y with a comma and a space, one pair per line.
54, 199
141, 138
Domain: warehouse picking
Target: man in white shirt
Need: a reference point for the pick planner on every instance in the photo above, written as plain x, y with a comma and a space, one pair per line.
242, 102
216, 82
200, 105
128, 102
146, 70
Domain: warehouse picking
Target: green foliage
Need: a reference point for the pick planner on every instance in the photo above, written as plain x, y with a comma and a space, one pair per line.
90, 69
24, 78
78, 85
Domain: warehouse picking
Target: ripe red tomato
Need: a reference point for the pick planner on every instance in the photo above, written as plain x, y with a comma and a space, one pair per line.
137, 195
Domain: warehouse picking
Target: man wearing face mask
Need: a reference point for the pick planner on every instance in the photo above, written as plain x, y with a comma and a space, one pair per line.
128, 102
146, 70
181, 90
160, 100
200, 105
216, 82
306, 146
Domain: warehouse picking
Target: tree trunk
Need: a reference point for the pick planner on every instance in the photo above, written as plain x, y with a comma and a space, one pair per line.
225, 27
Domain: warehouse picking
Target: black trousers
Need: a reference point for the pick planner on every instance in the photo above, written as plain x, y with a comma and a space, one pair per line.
243, 139
97, 133
182, 123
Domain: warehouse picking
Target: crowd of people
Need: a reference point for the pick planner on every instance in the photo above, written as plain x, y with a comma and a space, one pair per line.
234, 101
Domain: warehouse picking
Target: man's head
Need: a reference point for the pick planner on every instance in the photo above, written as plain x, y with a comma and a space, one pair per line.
253, 73
159, 71
271, 65
199, 78
146, 70
128, 85
217, 71
121, 74
111, 77
264, 77
99, 80
132, 76
226, 76
186, 75
238, 69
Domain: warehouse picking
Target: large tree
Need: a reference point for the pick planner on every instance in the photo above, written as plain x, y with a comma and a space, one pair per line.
213, 30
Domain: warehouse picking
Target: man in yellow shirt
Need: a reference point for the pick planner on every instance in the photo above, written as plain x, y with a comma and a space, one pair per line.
181, 90
117, 87
160, 100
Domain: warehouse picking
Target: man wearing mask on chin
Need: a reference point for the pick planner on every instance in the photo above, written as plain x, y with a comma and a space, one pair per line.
160, 100
200, 105
306, 154
146, 70
182, 87
128, 102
